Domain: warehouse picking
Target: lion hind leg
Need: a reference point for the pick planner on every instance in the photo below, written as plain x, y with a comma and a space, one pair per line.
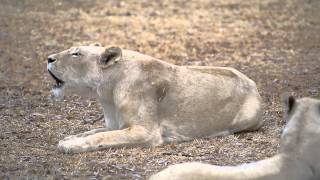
249, 118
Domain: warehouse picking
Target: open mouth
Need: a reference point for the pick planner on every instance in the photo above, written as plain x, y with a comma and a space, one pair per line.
59, 82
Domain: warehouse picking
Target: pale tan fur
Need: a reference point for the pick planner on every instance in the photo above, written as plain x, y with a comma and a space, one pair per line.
148, 102
298, 159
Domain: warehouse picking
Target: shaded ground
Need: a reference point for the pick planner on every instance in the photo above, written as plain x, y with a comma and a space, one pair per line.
274, 42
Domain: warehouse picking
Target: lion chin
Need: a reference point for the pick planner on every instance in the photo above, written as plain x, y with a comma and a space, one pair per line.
57, 94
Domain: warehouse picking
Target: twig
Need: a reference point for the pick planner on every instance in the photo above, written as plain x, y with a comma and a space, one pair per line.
93, 120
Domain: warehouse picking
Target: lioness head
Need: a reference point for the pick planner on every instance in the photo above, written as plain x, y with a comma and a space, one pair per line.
77, 70
301, 134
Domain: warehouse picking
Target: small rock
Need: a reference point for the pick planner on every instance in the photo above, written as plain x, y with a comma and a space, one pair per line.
313, 91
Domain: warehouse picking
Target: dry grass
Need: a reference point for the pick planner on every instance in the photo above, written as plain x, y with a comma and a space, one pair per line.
274, 42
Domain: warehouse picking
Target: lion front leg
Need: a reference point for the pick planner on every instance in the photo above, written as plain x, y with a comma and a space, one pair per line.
91, 132
132, 136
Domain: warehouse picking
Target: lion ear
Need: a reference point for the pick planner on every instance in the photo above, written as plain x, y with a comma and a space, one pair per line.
110, 56
96, 44
289, 101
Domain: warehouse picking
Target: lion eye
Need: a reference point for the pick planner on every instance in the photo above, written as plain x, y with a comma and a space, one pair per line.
76, 54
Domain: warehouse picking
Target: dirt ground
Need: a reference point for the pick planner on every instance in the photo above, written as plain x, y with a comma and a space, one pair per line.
274, 42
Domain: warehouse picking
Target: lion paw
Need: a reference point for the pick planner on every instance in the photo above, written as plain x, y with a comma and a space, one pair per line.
74, 145
69, 137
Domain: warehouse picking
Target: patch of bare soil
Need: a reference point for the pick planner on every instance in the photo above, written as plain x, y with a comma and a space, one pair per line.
274, 42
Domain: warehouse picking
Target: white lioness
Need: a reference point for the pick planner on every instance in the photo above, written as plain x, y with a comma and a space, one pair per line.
299, 157
148, 102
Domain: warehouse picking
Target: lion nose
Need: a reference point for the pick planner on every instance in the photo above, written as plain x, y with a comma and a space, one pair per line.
51, 60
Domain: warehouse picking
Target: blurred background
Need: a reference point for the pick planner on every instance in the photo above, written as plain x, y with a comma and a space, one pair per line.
274, 42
